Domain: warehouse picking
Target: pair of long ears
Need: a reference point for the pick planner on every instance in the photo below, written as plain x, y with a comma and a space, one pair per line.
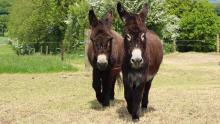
93, 20
124, 14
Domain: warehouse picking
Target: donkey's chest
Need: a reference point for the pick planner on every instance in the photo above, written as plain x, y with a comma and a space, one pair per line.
135, 78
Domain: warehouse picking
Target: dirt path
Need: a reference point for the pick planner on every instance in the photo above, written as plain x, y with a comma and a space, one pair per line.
186, 90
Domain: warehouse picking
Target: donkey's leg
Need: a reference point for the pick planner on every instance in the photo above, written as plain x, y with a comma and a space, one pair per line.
145, 95
96, 84
128, 96
137, 95
107, 86
112, 95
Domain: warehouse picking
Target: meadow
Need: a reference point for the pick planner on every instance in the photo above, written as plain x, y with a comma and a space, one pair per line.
12, 63
185, 91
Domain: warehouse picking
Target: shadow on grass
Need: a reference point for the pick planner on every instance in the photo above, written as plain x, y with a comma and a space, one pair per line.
94, 104
124, 115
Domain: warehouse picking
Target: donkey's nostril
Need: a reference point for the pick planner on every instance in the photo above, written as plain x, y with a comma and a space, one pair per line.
140, 61
137, 60
132, 60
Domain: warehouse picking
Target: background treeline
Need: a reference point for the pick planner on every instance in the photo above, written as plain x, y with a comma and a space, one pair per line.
4, 12
37, 23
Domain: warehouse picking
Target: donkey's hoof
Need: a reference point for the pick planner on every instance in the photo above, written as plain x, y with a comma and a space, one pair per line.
144, 109
135, 120
129, 110
112, 98
105, 104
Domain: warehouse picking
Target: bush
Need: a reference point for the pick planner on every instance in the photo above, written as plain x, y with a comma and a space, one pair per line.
198, 22
37, 23
168, 48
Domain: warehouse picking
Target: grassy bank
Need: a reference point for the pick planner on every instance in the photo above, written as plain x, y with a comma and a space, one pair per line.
11, 63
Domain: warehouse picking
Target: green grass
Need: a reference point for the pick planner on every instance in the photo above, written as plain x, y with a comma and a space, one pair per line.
11, 63
3, 40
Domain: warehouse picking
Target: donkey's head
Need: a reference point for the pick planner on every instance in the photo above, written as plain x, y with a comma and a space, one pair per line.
101, 38
134, 34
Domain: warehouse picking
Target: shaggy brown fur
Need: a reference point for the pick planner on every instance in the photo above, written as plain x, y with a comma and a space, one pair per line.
137, 81
109, 43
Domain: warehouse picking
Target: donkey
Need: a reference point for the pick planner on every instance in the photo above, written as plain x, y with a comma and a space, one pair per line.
105, 54
143, 55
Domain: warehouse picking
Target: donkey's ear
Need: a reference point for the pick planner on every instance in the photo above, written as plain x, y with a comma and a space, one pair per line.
122, 12
92, 18
143, 12
109, 18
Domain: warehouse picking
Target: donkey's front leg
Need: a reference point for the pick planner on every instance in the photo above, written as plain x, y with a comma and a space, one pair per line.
137, 95
112, 94
145, 95
96, 84
107, 87
128, 96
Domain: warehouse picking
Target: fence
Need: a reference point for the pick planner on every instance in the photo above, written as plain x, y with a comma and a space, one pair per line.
59, 48
48, 48
179, 45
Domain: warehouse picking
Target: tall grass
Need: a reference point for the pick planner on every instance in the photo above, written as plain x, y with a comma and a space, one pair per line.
11, 63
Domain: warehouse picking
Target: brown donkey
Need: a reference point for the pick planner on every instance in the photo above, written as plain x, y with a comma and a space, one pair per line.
143, 55
105, 54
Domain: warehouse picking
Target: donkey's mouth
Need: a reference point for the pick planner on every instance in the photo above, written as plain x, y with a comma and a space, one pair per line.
102, 62
102, 66
136, 65
136, 58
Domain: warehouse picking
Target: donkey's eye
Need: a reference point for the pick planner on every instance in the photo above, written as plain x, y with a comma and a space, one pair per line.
142, 37
105, 45
128, 37
98, 46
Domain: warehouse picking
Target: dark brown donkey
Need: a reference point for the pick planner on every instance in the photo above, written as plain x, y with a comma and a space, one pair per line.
105, 54
142, 58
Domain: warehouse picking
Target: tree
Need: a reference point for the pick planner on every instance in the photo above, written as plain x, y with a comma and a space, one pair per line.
158, 19
198, 22
76, 23
4, 11
38, 23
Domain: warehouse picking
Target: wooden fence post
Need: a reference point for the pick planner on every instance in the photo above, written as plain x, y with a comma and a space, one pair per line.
46, 50
41, 50
217, 43
62, 51
87, 41
174, 45
34, 50
29, 52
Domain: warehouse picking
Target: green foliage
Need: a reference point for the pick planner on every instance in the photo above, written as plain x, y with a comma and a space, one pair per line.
158, 19
49, 22
76, 23
4, 11
168, 48
166, 25
38, 23
198, 22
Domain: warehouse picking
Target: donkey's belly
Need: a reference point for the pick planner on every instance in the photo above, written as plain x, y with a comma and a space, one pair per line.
150, 76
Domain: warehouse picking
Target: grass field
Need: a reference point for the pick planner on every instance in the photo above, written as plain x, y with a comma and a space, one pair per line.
3, 40
11, 63
185, 91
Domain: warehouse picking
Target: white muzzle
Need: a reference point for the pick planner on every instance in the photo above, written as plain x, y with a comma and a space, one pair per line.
136, 58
